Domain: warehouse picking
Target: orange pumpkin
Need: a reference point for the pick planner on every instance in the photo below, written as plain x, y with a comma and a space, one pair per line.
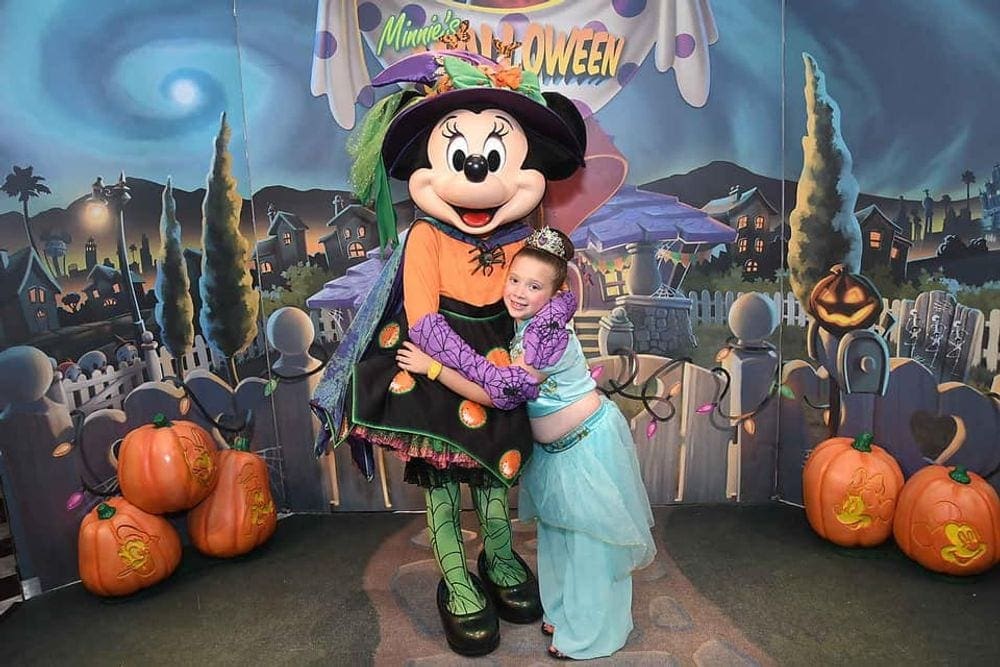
239, 515
948, 520
843, 301
167, 466
123, 549
850, 489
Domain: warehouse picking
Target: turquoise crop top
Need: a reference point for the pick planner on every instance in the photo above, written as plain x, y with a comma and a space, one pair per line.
568, 379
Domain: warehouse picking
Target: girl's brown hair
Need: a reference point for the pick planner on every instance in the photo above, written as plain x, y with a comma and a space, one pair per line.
558, 263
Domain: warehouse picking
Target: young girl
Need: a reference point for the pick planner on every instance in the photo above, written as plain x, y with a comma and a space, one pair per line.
583, 483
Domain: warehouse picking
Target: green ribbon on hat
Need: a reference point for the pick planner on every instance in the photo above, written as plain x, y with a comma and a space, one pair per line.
466, 75
385, 213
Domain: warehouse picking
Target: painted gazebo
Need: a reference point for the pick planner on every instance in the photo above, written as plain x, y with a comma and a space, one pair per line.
346, 293
633, 254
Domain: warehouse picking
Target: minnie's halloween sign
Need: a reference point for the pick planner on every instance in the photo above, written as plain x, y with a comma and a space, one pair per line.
543, 48
586, 49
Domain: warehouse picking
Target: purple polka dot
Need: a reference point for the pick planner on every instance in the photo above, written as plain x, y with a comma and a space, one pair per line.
628, 8
416, 14
366, 97
369, 16
597, 26
325, 45
626, 73
517, 21
684, 45
583, 108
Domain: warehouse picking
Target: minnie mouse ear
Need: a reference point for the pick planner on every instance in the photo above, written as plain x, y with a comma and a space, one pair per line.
566, 110
557, 154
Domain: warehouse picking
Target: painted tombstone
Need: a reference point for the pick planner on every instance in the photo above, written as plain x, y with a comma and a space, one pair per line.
942, 335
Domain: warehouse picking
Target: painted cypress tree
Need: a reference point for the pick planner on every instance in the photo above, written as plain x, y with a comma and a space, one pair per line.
228, 301
824, 231
174, 310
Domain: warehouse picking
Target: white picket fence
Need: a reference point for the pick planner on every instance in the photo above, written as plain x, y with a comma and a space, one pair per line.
201, 355
713, 308
107, 388
329, 324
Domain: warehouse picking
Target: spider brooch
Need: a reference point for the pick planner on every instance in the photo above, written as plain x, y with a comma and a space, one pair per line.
486, 258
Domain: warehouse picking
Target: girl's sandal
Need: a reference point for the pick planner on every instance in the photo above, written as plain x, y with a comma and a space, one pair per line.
548, 629
556, 654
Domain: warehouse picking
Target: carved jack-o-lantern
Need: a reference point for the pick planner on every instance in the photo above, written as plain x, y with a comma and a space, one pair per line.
843, 301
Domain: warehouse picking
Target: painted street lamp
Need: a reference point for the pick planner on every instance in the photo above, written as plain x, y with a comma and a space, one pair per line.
115, 197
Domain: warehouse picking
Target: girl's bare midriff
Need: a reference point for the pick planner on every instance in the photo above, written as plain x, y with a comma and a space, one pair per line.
554, 426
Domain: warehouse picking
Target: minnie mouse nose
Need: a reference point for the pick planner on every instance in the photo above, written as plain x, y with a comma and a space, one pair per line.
476, 168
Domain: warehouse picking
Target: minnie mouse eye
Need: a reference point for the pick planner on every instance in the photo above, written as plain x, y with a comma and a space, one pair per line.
458, 148
495, 152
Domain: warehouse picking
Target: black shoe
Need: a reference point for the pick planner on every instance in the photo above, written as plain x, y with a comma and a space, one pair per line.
516, 604
472, 634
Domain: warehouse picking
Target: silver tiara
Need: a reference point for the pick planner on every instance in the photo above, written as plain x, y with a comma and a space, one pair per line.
548, 240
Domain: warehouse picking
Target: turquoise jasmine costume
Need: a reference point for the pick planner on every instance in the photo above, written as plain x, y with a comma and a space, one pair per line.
593, 514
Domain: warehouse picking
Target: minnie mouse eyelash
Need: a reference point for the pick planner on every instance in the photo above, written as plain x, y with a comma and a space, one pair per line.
450, 130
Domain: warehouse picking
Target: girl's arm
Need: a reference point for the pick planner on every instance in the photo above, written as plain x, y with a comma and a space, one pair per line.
411, 358
508, 387
536, 374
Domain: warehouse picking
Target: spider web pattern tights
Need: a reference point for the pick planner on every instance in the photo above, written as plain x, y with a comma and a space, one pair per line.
444, 504
493, 511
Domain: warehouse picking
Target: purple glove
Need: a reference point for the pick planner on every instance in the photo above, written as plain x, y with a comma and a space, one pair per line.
507, 386
546, 337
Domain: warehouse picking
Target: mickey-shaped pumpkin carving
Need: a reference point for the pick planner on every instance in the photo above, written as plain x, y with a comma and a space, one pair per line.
948, 520
843, 301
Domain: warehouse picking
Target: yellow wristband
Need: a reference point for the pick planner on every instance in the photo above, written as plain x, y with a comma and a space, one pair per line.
434, 370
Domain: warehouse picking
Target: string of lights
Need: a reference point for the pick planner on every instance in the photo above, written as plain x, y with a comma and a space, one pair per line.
713, 409
277, 377
105, 488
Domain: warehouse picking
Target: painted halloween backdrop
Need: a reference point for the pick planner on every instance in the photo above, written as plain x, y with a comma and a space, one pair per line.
229, 124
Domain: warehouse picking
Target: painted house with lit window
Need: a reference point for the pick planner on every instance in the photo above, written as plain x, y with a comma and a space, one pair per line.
284, 247
353, 232
883, 242
758, 226
107, 294
28, 292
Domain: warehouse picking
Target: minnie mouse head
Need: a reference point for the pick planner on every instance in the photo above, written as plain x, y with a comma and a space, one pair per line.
479, 146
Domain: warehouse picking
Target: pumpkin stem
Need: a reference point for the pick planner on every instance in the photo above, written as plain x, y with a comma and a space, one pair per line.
160, 420
863, 443
105, 511
960, 474
241, 444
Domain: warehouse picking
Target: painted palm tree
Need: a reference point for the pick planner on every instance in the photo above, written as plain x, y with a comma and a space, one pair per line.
968, 178
24, 185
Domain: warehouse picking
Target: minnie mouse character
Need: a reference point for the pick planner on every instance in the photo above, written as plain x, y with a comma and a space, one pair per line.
476, 147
